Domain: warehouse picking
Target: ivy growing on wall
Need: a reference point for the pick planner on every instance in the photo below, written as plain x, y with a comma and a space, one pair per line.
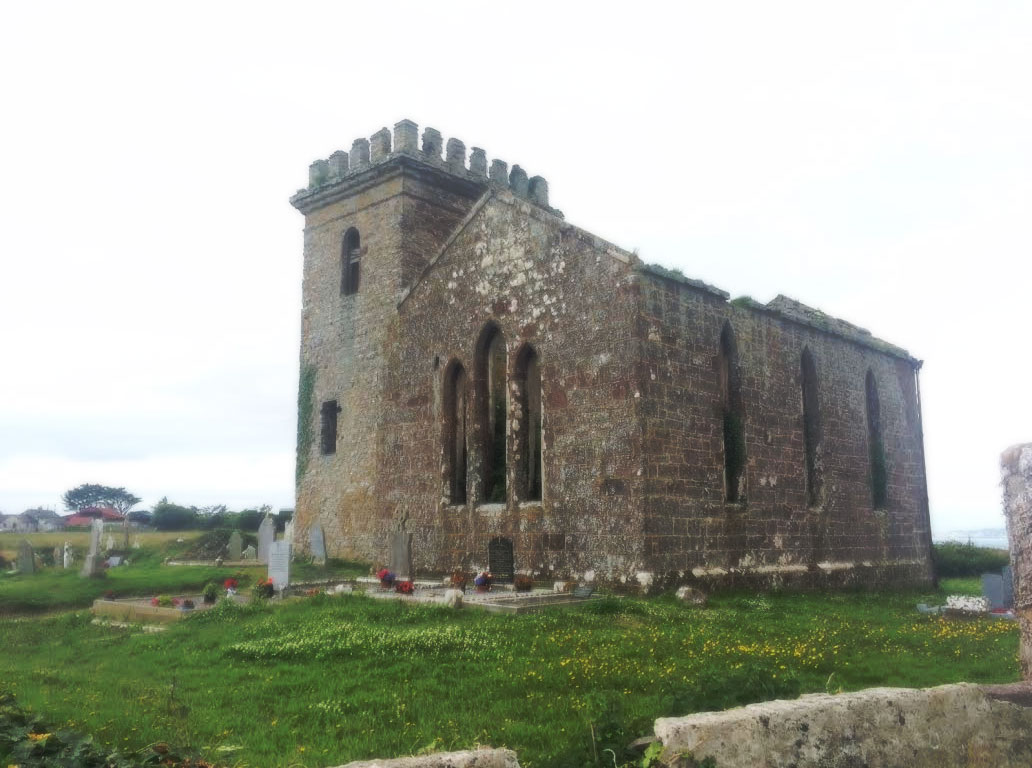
305, 412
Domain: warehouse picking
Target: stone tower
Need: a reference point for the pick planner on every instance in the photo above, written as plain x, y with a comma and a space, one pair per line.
374, 218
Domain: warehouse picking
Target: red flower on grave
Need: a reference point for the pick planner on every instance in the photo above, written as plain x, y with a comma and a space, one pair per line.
230, 583
404, 587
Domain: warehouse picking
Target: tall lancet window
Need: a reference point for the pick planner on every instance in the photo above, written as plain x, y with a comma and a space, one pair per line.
876, 446
491, 413
351, 258
455, 453
528, 388
811, 429
733, 415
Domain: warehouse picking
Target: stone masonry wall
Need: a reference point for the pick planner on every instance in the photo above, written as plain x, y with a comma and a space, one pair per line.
572, 298
773, 534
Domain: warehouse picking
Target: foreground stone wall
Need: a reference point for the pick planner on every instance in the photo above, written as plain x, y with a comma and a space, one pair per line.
952, 726
1017, 508
475, 758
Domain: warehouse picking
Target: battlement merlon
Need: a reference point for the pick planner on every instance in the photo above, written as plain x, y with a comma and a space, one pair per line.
342, 171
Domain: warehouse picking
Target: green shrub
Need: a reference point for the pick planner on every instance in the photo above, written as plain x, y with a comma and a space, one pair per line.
953, 559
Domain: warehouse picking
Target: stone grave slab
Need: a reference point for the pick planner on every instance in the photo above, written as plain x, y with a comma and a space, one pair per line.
235, 543
279, 565
26, 558
317, 542
96, 530
992, 589
401, 555
249, 553
68, 557
266, 536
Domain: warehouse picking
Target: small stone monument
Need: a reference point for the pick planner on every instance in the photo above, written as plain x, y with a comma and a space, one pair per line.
109, 543
96, 530
279, 565
288, 532
266, 535
136, 542
249, 553
235, 543
401, 555
992, 590
26, 558
68, 556
57, 556
317, 542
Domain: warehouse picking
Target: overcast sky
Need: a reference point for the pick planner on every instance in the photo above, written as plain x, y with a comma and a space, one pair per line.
872, 159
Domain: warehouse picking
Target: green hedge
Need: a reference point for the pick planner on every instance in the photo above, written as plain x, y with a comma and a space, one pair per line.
954, 559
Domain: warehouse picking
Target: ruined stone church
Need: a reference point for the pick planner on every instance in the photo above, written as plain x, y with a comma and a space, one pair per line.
523, 396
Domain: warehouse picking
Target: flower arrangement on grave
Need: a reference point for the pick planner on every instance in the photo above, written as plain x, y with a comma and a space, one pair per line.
162, 601
187, 605
483, 581
386, 578
210, 593
523, 583
231, 585
403, 587
264, 589
176, 602
458, 580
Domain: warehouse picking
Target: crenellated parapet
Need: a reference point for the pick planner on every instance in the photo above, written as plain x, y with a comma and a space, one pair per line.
450, 157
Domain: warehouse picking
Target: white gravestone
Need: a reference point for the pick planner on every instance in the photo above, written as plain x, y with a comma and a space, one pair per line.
249, 553
317, 543
288, 532
68, 557
109, 543
266, 536
279, 564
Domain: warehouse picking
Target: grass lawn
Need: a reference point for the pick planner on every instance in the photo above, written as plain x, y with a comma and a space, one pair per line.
322, 681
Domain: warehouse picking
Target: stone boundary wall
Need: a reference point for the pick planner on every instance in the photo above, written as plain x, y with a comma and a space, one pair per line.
1016, 466
476, 758
951, 726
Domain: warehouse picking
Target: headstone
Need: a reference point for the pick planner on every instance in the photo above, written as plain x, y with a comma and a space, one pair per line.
57, 555
26, 558
401, 555
317, 542
109, 543
136, 542
235, 543
288, 532
114, 561
68, 557
992, 590
90, 566
96, 529
249, 553
1008, 587
279, 564
266, 535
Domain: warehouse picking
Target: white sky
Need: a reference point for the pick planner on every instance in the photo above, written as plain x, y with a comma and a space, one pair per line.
872, 159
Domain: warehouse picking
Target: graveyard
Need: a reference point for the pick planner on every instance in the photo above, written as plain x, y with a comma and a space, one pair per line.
319, 679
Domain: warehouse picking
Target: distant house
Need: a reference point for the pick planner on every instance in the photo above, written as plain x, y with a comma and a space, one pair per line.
87, 515
33, 521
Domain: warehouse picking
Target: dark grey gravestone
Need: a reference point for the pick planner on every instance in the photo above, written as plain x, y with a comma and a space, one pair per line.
1008, 587
249, 553
279, 565
90, 566
235, 544
992, 588
401, 555
26, 558
266, 535
317, 543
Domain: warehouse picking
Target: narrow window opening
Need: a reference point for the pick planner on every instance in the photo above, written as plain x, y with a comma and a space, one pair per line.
811, 429
455, 452
492, 413
876, 446
328, 441
351, 260
528, 379
733, 416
